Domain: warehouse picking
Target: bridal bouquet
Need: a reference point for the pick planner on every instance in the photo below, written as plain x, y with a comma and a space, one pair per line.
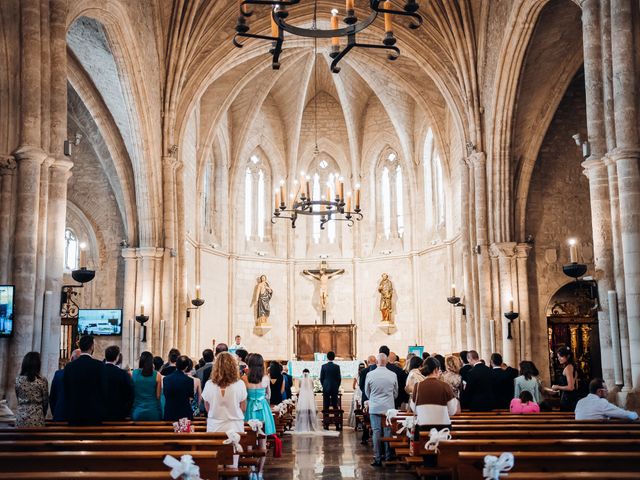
317, 386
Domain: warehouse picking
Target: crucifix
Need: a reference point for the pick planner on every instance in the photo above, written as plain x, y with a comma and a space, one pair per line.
323, 275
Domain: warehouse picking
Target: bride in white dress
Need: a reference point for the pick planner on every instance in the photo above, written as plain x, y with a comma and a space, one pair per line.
306, 416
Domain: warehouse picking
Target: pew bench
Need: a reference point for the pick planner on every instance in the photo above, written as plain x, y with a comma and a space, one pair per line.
145, 475
470, 464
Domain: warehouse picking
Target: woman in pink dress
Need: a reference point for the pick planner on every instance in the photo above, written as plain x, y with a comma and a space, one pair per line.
524, 404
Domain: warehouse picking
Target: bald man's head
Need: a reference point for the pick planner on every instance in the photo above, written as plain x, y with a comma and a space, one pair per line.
371, 360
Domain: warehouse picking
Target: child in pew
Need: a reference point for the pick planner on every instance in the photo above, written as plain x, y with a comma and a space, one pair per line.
524, 404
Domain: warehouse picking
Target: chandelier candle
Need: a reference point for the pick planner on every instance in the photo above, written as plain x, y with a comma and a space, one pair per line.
335, 41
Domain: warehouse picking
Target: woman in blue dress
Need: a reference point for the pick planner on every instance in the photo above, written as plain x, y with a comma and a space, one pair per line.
147, 387
258, 408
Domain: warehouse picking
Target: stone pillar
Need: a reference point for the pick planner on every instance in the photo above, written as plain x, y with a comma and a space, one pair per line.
479, 162
56, 222
522, 255
129, 326
596, 172
25, 251
146, 281
618, 271
169, 270
505, 253
30, 74
7, 171
626, 156
467, 271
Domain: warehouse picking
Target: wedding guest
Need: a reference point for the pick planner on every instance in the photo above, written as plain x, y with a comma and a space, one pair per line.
362, 377
503, 377
32, 392
242, 360
356, 399
258, 390
276, 382
434, 400
524, 404
158, 363
197, 390
478, 394
288, 382
56, 395
85, 387
595, 405
178, 391
119, 394
415, 375
528, 381
147, 389
225, 396
567, 384
204, 372
401, 376
381, 387
170, 367
221, 347
451, 375
440, 359
466, 367
330, 378
407, 361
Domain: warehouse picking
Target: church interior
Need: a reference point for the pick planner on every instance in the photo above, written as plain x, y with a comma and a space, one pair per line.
441, 175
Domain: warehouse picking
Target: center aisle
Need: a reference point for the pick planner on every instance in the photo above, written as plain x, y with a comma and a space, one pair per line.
335, 458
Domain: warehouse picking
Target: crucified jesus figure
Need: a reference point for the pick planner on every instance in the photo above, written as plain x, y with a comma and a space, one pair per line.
323, 275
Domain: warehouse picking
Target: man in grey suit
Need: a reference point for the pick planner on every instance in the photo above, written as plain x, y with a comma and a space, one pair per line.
381, 386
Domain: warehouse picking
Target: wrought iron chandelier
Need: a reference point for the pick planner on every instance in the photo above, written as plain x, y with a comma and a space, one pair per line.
279, 25
328, 207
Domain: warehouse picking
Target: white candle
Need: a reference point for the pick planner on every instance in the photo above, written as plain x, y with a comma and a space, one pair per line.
453, 289
510, 304
197, 294
573, 251
142, 309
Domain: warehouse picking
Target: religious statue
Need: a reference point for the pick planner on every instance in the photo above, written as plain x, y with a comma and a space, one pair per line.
323, 275
385, 288
261, 298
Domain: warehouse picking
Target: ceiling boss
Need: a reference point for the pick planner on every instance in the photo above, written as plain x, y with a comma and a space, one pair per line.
352, 26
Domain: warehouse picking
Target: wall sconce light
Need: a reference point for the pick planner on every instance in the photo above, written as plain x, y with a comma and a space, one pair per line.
196, 302
69, 143
511, 316
455, 300
584, 144
574, 269
142, 319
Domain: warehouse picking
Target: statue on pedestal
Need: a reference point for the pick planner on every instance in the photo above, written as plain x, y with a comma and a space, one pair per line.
262, 299
385, 288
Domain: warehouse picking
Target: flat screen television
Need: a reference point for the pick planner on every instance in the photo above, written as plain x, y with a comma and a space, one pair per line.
93, 321
7, 293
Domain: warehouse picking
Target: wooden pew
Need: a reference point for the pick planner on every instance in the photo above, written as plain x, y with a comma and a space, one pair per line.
470, 463
103, 461
225, 451
525, 433
146, 475
573, 475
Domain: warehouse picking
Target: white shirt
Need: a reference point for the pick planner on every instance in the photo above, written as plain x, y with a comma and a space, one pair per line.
381, 387
592, 407
224, 410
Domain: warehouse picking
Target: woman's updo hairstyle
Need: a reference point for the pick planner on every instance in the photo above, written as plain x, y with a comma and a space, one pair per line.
430, 365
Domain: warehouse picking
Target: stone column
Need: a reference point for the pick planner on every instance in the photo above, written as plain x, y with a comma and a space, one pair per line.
129, 308
56, 222
467, 271
146, 280
25, 251
7, 171
505, 253
522, 255
169, 164
30, 74
596, 172
626, 156
479, 162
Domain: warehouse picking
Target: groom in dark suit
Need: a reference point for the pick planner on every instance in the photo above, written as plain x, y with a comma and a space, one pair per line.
330, 379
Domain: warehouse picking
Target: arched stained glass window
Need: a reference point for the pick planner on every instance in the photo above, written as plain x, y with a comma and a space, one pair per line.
391, 185
434, 193
248, 203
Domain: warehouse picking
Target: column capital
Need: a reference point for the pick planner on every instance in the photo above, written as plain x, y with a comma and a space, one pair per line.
478, 159
624, 153
129, 253
29, 152
62, 164
8, 165
171, 162
504, 249
523, 250
147, 252
591, 163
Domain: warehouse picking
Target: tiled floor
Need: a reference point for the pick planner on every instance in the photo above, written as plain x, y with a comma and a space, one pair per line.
335, 458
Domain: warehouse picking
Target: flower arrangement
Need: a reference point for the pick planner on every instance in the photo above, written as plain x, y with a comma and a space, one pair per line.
317, 386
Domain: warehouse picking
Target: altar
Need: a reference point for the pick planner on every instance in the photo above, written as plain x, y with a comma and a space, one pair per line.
348, 368
337, 338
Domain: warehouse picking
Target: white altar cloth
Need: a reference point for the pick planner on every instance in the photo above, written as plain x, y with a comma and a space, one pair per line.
348, 368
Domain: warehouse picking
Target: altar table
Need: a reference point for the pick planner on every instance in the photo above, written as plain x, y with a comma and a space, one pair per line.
348, 368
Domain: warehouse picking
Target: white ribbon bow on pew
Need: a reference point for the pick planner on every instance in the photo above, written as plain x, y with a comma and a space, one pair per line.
256, 426
435, 437
281, 409
184, 468
234, 439
408, 424
391, 414
494, 466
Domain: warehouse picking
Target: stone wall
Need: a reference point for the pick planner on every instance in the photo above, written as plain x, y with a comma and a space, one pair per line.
558, 208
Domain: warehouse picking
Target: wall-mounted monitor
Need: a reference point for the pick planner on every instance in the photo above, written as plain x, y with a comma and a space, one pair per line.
7, 293
93, 321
